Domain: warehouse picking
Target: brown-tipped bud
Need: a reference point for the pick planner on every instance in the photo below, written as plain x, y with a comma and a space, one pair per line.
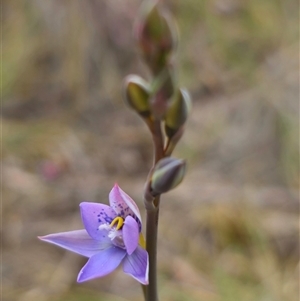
156, 35
167, 174
177, 113
137, 94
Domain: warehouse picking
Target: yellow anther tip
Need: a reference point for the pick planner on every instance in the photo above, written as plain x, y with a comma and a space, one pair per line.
142, 241
119, 221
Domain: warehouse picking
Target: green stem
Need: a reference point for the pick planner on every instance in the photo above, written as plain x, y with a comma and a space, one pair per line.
144, 288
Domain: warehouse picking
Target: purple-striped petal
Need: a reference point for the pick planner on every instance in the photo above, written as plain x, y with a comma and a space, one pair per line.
137, 265
93, 215
130, 233
123, 204
101, 264
77, 241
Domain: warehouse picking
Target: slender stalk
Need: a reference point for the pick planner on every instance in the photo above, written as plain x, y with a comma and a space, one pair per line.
151, 246
144, 288
158, 141
152, 217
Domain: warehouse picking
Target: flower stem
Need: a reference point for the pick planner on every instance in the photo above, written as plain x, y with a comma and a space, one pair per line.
152, 217
158, 141
151, 246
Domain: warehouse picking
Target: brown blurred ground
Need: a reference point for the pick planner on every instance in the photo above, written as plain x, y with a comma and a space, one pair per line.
230, 231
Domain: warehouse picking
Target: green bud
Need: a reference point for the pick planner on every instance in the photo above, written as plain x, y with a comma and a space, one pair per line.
163, 88
156, 35
136, 94
177, 113
167, 174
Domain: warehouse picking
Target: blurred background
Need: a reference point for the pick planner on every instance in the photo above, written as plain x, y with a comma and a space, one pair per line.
230, 231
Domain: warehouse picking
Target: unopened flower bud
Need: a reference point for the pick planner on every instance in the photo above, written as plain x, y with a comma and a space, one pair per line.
156, 36
163, 89
136, 94
167, 174
177, 112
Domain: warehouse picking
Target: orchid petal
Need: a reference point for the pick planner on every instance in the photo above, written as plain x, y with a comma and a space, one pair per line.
93, 215
77, 241
137, 265
101, 264
130, 233
123, 204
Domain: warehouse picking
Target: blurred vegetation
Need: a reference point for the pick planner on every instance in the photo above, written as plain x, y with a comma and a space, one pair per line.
230, 232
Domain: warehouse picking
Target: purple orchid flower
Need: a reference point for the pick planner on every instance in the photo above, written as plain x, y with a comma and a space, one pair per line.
111, 236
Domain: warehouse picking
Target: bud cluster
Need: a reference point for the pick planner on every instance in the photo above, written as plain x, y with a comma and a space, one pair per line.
159, 100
